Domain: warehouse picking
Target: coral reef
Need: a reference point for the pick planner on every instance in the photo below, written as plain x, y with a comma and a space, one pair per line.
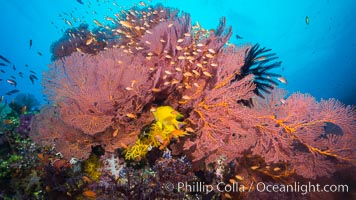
132, 90
161, 59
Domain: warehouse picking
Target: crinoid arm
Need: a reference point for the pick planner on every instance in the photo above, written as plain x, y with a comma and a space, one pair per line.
259, 62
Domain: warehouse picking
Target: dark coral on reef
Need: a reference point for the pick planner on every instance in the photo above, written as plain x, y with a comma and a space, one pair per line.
144, 182
24, 127
79, 39
26, 100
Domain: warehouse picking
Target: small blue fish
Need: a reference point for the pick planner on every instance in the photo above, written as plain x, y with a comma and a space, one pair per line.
12, 92
11, 82
33, 78
238, 37
4, 59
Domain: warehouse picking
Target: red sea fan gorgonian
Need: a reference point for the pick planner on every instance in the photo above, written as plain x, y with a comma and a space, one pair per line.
156, 57
302, 129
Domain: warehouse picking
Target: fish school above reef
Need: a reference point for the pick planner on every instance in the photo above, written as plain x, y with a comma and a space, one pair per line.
156, 95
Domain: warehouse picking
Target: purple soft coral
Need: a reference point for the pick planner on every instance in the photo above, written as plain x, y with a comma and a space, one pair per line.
25, 124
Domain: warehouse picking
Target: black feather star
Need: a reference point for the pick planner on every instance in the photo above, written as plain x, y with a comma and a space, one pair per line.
259, 62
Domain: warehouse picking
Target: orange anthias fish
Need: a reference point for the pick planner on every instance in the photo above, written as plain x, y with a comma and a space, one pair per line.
262, 58
97, 23
126, 24
41, 156
282, 80
89, 193
8, 121
23, 109
86, 179
114, 134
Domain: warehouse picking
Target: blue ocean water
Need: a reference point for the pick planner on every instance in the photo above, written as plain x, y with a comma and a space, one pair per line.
318, 57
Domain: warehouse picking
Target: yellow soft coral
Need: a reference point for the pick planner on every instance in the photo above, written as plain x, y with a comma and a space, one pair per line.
166, 126
92, 166
138, 150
